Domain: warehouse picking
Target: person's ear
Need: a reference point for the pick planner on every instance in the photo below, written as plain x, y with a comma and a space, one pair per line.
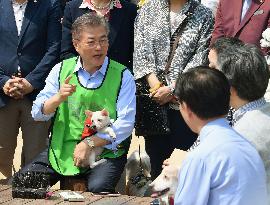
233, 92
75, 44
104, 112
188, 111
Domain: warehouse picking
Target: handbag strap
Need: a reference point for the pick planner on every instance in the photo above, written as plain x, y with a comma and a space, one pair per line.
177, 34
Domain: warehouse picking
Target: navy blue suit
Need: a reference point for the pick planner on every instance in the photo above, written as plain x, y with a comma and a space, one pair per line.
121, 36
36, 50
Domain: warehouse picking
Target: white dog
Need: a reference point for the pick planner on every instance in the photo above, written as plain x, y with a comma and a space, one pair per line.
100, 122
165, 185
138, 173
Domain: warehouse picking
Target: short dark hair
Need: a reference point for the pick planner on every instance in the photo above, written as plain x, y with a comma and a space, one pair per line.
88, 20
223, 43
206, 91
247, 71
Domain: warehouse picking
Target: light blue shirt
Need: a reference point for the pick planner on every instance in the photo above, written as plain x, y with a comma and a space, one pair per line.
225, 169
245, 7
126, 103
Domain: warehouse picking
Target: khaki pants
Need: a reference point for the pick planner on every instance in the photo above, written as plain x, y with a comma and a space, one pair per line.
17, 114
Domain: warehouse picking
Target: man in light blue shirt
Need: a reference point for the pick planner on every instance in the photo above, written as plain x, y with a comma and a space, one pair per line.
90, 81
225, 169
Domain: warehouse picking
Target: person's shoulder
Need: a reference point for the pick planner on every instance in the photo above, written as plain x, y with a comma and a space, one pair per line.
129, 7
127, 4
203, 13
255, 119
74, 3
48, 2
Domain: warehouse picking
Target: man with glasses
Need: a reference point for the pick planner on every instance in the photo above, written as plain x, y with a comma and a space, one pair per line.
90, 81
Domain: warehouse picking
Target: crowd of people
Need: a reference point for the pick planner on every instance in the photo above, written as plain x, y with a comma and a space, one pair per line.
199, 59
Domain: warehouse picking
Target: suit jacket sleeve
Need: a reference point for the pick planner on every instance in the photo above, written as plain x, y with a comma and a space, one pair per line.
3, 78
67, 49
218, 29
38, 75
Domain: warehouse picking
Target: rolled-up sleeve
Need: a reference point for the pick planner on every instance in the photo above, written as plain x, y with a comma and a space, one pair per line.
126, 110
50, 89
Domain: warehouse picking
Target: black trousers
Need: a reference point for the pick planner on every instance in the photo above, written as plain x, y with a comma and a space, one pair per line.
160, 147
102, 178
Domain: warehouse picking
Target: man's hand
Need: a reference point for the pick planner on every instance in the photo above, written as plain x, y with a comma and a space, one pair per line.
163, 95
81, 154
24, 86
166, 162
52, 103
175, 159
13, 88
66, 89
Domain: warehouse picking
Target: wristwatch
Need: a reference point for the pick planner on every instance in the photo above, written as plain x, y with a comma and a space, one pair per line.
90, 142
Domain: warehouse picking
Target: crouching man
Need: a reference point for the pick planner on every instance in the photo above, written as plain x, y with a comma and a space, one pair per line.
225, 168
90, 81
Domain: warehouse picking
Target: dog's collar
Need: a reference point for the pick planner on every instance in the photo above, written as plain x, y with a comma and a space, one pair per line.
139, 180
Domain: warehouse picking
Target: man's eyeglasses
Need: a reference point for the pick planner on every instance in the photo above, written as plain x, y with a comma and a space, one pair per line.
102, 42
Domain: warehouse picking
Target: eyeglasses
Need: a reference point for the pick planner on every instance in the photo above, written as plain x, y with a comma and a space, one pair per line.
102, 42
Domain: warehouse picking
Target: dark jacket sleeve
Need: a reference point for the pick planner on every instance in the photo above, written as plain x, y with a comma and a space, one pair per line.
67, 49
38, 75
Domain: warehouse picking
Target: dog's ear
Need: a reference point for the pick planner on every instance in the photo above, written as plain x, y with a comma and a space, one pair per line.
88, 113
104, 112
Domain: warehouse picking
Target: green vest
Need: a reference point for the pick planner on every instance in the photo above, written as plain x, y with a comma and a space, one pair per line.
69, 118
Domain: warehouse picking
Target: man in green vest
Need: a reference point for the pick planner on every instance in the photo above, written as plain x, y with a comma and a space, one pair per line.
90, 81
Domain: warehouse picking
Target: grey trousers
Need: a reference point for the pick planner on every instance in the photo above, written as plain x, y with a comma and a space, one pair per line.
17, 114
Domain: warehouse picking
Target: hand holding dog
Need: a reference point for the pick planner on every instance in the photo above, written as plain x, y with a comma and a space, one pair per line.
81, 154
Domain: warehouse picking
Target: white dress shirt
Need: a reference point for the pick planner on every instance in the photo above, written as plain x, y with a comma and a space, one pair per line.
19, 10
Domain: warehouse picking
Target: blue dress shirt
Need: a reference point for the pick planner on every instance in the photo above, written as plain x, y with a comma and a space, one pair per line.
225, 169
126, 104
